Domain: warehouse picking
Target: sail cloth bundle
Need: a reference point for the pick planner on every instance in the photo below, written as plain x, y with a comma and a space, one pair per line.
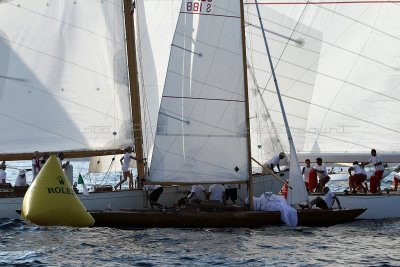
272, 202
50, 200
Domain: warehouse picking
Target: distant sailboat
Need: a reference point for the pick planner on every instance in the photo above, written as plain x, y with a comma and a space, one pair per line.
337, 66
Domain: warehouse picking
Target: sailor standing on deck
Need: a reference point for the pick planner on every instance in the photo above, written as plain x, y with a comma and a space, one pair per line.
125, 160
217, 193
375, 180
322, 174
35, 164
3, 174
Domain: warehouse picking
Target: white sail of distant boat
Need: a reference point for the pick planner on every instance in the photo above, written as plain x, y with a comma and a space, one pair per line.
201, 131
337, 65
296, 187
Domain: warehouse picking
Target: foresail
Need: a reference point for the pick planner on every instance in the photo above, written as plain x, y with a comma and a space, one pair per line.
155, 26
297, 189
63, 76
201, 130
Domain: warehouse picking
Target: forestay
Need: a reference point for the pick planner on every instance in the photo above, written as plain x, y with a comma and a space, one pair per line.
63, 76
201, 130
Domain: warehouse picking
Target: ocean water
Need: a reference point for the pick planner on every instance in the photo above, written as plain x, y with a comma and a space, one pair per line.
361, 243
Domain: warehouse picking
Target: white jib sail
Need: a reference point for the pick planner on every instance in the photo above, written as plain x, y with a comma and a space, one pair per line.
201, 130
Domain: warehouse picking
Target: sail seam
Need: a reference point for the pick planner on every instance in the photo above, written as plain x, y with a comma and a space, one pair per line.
204, 98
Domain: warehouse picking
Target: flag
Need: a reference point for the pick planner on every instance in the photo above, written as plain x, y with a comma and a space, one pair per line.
80, 181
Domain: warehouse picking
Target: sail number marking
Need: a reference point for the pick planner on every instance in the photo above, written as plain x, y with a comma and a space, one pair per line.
199, 6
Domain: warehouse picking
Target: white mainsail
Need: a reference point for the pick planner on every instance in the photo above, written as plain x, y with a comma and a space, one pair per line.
63, 76
337, 63
201, 131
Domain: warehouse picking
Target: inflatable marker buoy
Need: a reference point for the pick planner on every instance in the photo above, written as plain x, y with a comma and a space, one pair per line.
50, 199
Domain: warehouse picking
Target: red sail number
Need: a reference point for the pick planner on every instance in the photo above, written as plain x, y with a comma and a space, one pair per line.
199, 7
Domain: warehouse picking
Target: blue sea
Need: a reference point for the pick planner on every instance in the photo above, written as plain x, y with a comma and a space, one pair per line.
361, 243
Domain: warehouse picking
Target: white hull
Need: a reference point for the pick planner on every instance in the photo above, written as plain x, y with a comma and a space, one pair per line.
135, 199
378, 206
343, 176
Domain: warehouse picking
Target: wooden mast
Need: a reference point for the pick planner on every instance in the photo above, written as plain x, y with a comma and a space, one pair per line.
134, 86
246, 94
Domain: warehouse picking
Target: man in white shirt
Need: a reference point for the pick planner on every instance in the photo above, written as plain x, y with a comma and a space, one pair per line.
327, 202
125, 160
270, 165
3, 174
21, 179
322, 174
217, 193
195, 194
375, 180
357, 177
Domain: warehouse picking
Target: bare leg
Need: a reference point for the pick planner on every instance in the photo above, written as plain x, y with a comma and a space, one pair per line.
122, 181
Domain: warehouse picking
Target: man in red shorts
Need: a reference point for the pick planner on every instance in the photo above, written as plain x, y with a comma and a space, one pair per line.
375, 180
357, 177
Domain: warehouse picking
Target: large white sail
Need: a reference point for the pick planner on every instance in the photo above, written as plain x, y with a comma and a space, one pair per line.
155, 27
63, 76
337, 66
201, 131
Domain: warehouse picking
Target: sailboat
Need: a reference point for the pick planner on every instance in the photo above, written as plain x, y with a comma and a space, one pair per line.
203, 130
64, 86
338, 70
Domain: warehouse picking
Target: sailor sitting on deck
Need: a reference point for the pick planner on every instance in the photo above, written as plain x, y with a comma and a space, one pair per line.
396, 179
21, 179
327, 202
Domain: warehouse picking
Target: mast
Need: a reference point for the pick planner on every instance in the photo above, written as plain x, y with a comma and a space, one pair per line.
134, 87
246, 95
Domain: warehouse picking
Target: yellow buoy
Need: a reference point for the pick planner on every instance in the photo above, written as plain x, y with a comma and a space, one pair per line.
50, 200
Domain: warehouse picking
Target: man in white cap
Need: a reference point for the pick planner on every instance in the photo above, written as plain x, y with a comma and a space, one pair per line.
3, 173
21, 179
270, 165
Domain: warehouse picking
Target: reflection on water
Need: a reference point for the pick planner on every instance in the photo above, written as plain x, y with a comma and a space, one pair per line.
361, 243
